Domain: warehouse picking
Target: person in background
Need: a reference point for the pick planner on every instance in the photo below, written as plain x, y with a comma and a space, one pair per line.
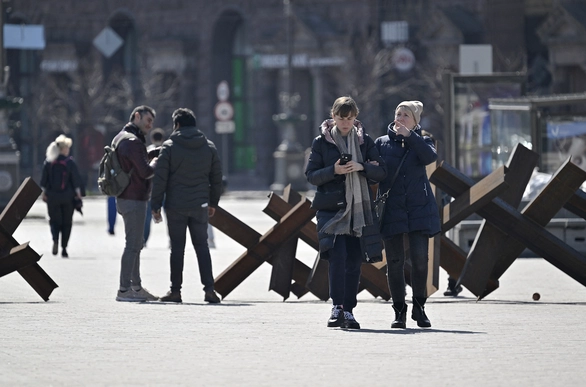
340, 229
61, 184
453, 288
157, 138
111, 214
411, 208
132, 202
188, 183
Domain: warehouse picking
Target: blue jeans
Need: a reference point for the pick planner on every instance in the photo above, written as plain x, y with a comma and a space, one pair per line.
395, 250
197, 223
111, 213
345, 261
133, 212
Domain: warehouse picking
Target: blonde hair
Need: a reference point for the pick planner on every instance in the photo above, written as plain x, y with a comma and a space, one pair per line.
54, 148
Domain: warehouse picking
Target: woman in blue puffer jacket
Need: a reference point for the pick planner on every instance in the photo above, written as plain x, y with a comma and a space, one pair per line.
340, 228
410, 208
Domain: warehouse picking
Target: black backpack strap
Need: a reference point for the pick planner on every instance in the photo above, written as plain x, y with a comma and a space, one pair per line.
384, 196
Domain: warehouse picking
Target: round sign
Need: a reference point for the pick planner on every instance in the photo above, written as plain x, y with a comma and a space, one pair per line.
223, 91
403, 59
224, 111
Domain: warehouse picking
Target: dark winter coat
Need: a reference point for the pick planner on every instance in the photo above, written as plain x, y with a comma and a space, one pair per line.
411, 205
133, 157
320, 172
60, 179
188, 172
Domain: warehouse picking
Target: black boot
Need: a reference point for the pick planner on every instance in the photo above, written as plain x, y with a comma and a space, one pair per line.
452, 290
418, 313
400, 316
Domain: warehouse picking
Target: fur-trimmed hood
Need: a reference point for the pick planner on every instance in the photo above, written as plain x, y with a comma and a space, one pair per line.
327, 126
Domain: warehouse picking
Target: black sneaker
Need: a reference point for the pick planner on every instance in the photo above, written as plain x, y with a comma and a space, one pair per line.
452, 290
171, 296
350, 322
55, 248
337, 317
64, 253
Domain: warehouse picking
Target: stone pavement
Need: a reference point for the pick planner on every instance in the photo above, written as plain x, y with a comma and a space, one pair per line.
83, 337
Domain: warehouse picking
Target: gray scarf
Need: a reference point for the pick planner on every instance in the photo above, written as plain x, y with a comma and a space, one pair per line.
357, 214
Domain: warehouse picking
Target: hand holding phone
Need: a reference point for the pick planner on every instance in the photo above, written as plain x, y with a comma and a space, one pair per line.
344, 158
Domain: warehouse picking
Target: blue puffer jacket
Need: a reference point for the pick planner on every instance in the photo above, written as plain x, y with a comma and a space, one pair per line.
320, 172
411, 205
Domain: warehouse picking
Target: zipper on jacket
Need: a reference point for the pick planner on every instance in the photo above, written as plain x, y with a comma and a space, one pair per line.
425, 188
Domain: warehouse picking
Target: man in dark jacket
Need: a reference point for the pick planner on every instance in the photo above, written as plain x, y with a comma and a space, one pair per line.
132, 202
188, 178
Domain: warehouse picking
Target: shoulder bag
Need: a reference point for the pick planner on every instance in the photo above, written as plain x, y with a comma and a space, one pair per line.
379, 203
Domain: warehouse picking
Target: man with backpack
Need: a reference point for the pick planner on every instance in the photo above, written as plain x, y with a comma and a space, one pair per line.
132, 202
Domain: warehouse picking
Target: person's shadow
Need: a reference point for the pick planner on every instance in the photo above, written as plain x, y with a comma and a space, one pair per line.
411, 331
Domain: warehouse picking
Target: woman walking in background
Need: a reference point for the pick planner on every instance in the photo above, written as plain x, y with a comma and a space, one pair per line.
61, 185
410, 210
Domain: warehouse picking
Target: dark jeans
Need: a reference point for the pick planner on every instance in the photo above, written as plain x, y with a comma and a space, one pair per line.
61, 220
394, 248
344, 270
197, 223
147, 223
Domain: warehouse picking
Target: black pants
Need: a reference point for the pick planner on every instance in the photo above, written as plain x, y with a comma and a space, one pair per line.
60, 219
418, 245
345, 262
197, 223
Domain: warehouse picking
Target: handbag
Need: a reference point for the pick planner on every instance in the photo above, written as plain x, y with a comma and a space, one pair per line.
371, 242
329, 201
381, 200
77, 204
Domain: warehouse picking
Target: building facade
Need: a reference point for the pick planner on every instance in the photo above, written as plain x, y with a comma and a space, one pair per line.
238, 63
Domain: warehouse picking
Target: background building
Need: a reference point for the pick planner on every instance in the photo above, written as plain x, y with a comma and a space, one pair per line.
228, 61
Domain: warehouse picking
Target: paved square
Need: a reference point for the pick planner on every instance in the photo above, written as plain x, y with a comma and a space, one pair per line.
82, 336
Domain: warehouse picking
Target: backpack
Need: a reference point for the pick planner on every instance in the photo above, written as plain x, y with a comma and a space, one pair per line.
59, 175
112, 180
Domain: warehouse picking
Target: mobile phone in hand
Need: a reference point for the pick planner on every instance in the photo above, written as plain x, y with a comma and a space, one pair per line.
344, 158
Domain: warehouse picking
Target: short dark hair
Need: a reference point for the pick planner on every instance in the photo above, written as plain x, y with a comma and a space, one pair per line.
157, 135
142, 109
345, 107
184, 117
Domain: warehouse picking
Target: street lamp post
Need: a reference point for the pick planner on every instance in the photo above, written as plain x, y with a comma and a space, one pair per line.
289, 155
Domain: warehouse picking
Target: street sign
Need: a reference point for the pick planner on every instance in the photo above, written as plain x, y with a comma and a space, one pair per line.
223, 91
24, 37
225, 127
224, 111
108, 42
403, 59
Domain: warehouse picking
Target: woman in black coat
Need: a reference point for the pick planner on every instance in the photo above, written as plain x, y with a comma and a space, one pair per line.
61, 184
340, 226
410, 208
